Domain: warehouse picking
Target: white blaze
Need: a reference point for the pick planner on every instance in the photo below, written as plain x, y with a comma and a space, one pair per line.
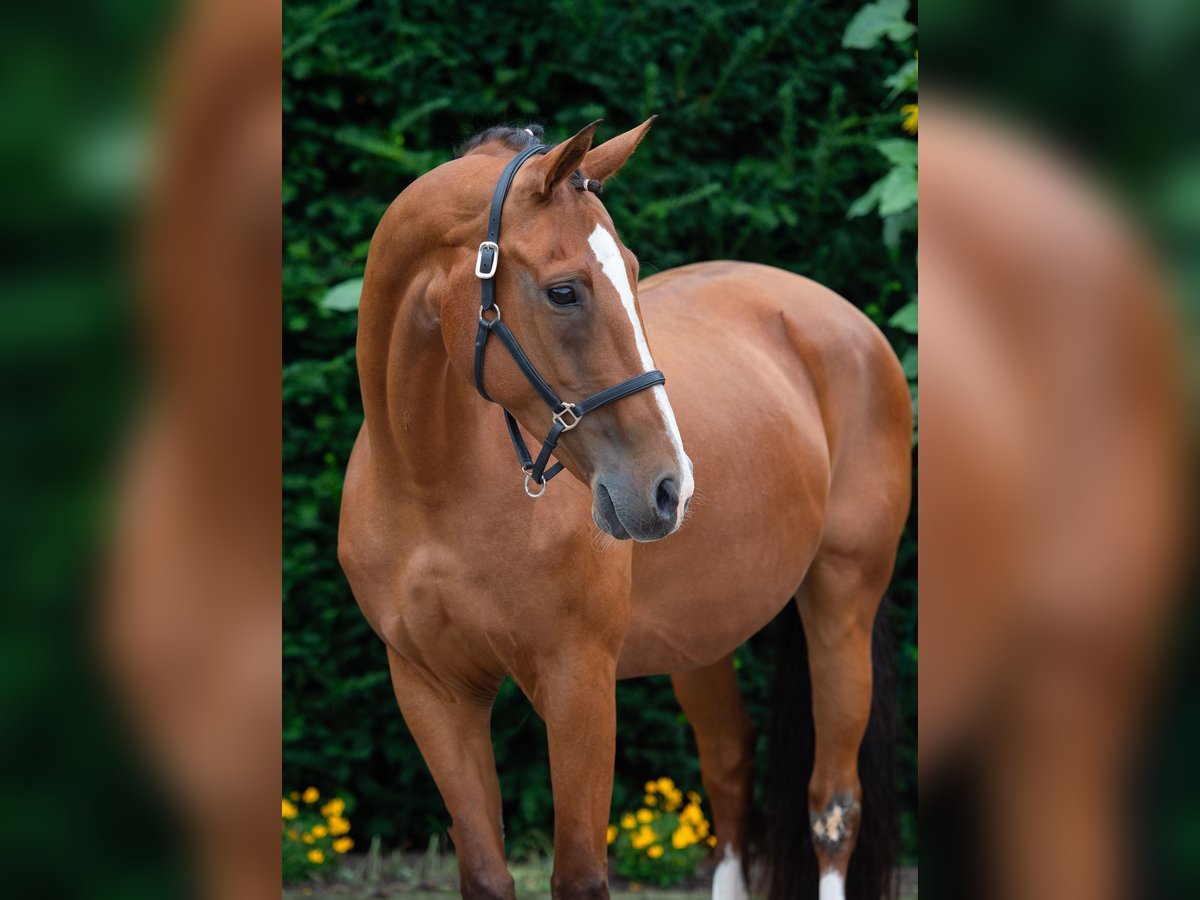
604, 245
728, 881
832, 887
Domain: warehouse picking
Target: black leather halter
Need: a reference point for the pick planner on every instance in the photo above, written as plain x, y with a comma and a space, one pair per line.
564, 416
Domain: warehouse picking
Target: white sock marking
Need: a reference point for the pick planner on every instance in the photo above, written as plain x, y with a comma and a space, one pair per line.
604, 245
832, 886
728, 881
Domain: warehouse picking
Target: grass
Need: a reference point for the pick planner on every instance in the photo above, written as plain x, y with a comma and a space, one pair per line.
433, 875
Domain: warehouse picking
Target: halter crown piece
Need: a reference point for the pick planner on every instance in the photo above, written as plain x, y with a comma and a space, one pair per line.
564, 416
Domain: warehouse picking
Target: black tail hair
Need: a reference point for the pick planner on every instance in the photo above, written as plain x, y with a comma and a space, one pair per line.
791, 871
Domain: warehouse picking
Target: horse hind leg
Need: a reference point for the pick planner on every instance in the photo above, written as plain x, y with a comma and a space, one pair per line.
838, 604
711, 700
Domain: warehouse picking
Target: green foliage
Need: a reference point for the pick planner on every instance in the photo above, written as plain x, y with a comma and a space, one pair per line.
314, 838
875, 21
663, 841
768, 132
343, 297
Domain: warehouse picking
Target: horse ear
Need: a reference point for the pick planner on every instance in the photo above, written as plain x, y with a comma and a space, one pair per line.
603, 162
548, 171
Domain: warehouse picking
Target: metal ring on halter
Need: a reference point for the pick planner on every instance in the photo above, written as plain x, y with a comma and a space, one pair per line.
483, 321
528, 478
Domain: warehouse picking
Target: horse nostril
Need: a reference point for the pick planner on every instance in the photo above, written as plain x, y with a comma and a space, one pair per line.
666, 498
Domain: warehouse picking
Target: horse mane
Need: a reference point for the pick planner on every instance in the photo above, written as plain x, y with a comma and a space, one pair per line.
517, 138
513, 137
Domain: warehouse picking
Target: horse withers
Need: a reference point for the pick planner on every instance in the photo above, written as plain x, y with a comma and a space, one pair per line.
773, 465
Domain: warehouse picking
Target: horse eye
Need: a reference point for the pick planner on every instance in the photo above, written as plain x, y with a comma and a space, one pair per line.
563, 296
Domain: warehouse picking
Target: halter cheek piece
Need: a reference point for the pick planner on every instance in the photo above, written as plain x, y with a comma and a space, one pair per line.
564, 416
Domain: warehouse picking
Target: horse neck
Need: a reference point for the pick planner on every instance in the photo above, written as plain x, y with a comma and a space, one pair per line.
420, 413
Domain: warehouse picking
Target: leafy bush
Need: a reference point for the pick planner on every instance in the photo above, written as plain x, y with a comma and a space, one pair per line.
313, 838
768, 133
661, 842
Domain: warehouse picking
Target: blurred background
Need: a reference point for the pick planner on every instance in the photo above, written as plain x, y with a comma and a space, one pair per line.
73, 113
781, 139
139, 618
1059, 230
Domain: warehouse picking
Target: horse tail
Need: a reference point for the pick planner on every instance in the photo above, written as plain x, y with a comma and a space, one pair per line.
791, 865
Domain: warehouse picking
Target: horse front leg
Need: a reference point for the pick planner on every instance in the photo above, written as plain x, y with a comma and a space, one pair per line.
453, 732
576, 696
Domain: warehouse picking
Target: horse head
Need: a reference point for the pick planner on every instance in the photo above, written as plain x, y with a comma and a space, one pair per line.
567, 287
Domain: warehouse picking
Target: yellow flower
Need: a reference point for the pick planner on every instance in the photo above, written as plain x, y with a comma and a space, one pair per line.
316, 856
294, 795
289, 809
338, 825
684, 836
612, 833
644, 816
307, 838
702, 828
293, 834
319, 831
311, 796
693, 797
650, 800
628, 821
341, 845
665, 785
644, 837
651, 787
334, 808
909, 111
712, 841
674, 798
691, 814
655, 852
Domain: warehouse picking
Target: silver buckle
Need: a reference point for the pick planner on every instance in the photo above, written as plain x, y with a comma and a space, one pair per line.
483, 321
495, 248
568, 409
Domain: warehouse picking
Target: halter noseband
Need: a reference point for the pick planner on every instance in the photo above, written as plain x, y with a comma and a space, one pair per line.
564, 416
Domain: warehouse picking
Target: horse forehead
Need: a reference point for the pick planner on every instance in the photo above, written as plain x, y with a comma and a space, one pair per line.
562, 238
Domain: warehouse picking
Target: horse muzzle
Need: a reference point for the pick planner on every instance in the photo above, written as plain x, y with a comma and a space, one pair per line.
625, 512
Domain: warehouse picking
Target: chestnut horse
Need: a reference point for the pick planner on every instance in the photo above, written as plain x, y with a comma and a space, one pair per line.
787, 409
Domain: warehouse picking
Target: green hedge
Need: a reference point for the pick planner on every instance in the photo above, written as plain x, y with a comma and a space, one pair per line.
768, 134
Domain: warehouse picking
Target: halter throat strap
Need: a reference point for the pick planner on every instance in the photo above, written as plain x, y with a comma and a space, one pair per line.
564, 415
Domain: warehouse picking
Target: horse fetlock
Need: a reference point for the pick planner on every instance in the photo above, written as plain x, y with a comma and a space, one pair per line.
487, 884
836, 825
592, 886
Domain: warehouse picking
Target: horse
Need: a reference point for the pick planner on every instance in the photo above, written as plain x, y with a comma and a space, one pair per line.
775, 470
